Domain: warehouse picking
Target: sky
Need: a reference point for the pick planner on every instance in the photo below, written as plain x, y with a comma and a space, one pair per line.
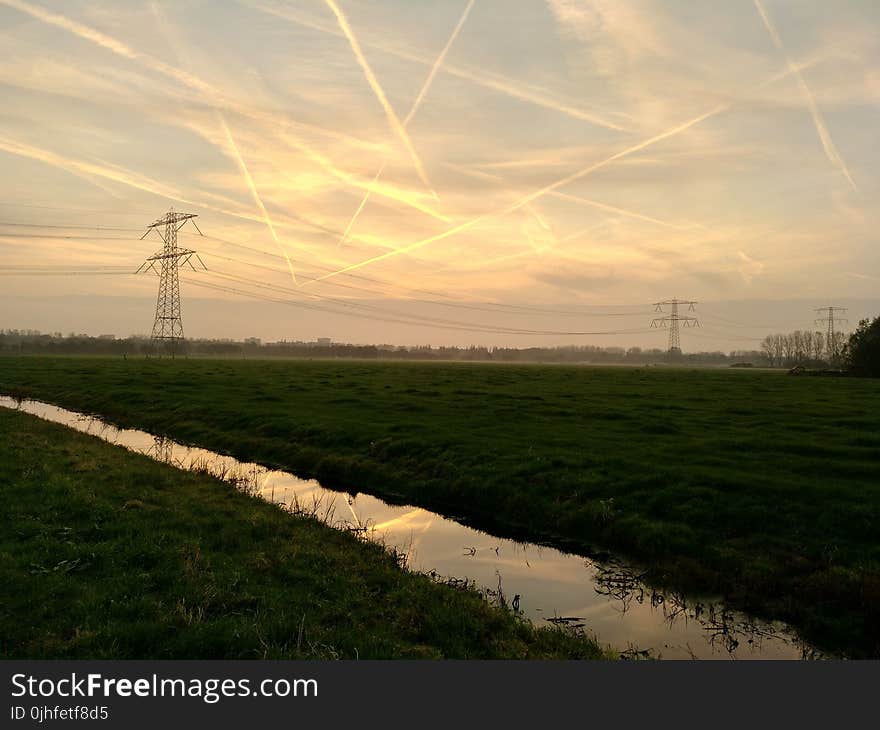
500, 172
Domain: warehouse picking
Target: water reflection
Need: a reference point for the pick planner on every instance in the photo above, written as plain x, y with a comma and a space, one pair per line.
609, 599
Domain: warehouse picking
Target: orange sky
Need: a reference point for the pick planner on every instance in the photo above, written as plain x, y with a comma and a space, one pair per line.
558, 153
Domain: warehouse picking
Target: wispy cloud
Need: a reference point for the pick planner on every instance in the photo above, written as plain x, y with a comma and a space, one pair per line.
396, 125
413, 110
501, 84
819, 122
255, 193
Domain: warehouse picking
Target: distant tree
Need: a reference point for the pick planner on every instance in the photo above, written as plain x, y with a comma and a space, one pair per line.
818, 345
768, 350
861, 355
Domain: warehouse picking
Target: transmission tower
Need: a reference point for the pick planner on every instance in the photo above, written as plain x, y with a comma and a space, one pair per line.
168, 326
673, 319
829, 320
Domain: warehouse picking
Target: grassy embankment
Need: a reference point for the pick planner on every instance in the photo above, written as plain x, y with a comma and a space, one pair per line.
759, 486
108, 554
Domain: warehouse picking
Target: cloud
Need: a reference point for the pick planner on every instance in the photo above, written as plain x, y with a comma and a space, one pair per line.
584, 281
818, 120
749, 268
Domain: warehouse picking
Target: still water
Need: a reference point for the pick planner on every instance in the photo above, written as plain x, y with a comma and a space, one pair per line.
605, 598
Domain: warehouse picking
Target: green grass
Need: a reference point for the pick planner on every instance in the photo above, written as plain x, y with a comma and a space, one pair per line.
760, 486
107, 554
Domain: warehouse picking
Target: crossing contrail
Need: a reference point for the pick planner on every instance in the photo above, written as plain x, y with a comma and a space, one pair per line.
182, 56
214, 97
396, 125
467, 225
255, 193
531, 197
412, 112
119, 175
818, 121
439, 62
501, 85
624, 212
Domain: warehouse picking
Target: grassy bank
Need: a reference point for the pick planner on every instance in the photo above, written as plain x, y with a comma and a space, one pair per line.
107, 554
762, 487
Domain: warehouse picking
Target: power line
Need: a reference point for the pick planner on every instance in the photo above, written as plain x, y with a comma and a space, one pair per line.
128, 212
65, 227
403, 319
454, 305
727, 322
64, 273
63, 267
394, 285
66, 238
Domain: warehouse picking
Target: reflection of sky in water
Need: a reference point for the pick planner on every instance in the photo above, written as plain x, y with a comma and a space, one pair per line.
550, 584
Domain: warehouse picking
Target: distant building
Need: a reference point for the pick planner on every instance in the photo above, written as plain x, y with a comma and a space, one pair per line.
252, 341
106, 337
324, 342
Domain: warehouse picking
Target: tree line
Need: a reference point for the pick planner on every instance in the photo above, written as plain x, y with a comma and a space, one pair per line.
802, 347
32, 342
858, 354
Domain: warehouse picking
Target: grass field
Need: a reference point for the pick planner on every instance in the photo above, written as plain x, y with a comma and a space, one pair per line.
760, 486
107, 554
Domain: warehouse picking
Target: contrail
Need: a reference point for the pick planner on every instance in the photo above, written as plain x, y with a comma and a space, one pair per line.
107, 42
165, 27
347, 231
413, 109
404, 518
439, 62
395, 123
391, 192
87, 168
467, 225
171, 37
821, 129
115, 174
578, 199
213, 96
623, 211
501, 85
121, 49
255, 193
542, 221
534, 250
414, 545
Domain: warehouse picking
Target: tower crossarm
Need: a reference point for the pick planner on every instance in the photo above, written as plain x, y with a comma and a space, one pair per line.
168, 324
674, 320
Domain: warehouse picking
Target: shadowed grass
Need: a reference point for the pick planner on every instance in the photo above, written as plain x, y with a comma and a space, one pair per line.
753, 484
108, 554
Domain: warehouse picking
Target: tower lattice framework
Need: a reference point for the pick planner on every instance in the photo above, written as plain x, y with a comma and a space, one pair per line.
831, 319
674, 320
168, 324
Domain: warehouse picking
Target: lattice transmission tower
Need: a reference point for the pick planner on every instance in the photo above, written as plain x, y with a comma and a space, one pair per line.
829, 320
168, 325
673, 320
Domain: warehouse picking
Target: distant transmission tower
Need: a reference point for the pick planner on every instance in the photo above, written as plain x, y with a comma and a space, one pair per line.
673, 319
829, 320
168, 326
